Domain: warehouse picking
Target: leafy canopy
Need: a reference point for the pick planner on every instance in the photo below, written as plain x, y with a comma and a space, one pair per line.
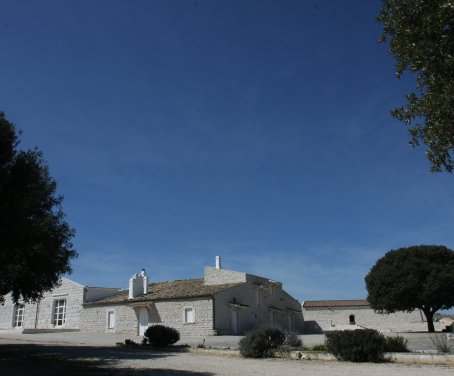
421, 38
418, 277
35, 240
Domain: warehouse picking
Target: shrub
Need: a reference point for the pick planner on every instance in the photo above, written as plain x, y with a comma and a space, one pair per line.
160, 335
292, 340
261, 342
361, 345
396, 344
319, 347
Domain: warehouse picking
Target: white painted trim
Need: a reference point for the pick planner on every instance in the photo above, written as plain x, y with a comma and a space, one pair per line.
193, 315
113, 328
59, 294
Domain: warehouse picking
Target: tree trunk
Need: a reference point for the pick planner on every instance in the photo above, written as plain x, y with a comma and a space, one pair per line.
430, 320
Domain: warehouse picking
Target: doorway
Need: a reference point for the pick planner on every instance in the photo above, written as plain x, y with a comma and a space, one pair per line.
143, 320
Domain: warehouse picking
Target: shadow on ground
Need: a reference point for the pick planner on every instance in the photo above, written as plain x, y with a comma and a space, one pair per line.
40, 360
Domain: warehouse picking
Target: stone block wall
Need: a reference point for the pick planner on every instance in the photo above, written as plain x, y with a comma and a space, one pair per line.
40, 315
258, 302
168, 313
94, 319
214, 276
338, 318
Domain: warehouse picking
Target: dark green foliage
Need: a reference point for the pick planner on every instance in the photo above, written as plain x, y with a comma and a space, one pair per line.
319, 347
396, 344
419, 277
361, 345
261, 342
421, 39
160, 335
35, 240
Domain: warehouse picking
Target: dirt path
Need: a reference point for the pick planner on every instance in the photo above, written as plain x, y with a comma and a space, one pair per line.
41, 360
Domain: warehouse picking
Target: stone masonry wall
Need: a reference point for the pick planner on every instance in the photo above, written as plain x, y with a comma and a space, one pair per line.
258, 302
168, 313
338, 318
40, 315
213, 276
94, 319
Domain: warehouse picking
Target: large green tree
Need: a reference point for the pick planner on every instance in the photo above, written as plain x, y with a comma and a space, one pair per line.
418, 277
35, 239
421, 38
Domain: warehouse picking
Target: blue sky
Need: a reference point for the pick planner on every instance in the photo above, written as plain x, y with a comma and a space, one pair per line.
255, 130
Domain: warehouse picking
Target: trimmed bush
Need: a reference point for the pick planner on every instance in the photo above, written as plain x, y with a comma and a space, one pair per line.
396, 344
361, 345
160, 335
261, 342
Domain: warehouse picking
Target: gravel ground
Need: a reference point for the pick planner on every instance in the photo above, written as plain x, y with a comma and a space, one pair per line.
139, 362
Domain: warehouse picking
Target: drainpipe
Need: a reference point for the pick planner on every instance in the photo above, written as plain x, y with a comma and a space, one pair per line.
37, 314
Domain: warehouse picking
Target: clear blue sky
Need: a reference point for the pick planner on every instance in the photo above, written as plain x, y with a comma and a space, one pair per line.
255, 130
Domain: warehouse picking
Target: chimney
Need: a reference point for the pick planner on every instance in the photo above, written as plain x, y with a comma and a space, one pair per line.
138, 284
218, 262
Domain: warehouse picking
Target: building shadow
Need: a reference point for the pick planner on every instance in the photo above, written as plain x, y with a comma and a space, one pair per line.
44, 360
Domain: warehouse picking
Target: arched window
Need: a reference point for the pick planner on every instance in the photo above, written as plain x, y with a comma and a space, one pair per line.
352, 319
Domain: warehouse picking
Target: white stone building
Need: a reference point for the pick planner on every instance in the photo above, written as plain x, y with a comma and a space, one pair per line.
59, 309
222, 302
326, 315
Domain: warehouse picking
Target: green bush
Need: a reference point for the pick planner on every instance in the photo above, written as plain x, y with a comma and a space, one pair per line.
396, 344
160, 335
261, 342
361, 345
319, 347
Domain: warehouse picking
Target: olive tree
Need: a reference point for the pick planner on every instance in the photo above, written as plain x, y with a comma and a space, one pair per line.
420, 36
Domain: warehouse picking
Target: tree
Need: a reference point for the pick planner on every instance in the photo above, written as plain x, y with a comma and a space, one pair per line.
421, 38
418, 277
35, 240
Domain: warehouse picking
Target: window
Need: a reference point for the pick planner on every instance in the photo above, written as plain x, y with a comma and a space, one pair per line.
110, 319
189, 315
271, 289
59, 312
352, 319
272, 318
19, 316
257, 296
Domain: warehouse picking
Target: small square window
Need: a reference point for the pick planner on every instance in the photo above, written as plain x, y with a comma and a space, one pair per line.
189, 315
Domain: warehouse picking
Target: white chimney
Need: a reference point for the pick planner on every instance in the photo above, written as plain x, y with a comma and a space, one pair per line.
145, 280
138, 284
218, 262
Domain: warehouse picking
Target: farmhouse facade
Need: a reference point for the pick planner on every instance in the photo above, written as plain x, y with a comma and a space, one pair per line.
59, 309
327, 315
222, 302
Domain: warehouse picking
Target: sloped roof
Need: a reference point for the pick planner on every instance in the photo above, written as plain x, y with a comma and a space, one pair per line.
335, 303
179, 289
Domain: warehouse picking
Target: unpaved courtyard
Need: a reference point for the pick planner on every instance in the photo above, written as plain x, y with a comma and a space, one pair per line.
52, 360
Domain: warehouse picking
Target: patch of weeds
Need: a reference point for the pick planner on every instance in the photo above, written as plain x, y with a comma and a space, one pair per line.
440, 342
396, 344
